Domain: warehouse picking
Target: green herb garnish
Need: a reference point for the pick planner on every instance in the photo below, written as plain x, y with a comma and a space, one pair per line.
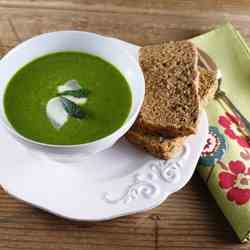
76, 93
72, 109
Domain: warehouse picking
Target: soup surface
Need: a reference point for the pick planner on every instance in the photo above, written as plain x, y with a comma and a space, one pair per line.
34, 85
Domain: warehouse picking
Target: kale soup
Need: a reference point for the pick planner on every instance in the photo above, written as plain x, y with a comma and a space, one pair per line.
67, 98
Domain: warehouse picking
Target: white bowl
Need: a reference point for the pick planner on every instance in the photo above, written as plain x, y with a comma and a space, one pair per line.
73, 41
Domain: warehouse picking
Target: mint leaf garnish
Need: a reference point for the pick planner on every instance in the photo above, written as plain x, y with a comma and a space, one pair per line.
76, 93
72, 109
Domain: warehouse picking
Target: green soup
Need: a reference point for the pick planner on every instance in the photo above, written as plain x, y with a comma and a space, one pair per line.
31, 88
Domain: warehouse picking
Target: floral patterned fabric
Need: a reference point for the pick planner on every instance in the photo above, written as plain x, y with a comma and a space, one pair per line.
214, 149
236, 182
236, 179
225, 161
232, 128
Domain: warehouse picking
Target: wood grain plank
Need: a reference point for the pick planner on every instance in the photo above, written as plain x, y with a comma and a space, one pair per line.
8, 37
126, 26
130, 6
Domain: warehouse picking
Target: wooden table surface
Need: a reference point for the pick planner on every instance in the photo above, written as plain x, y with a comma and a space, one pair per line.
190, 218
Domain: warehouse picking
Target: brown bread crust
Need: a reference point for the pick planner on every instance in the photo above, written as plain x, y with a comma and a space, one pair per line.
156, 145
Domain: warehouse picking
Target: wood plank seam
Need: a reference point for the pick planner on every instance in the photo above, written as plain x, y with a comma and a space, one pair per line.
12, 26
156, 218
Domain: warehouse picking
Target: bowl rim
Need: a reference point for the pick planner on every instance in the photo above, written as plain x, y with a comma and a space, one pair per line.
118, 132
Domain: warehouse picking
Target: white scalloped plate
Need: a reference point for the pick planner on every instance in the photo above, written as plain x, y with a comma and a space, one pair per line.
120, 181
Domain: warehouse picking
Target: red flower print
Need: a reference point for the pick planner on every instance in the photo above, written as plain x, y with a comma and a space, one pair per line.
237, 182
231, 125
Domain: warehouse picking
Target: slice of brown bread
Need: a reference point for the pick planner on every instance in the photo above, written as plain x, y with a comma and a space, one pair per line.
207, 86
166, 148
171, 103
158, 146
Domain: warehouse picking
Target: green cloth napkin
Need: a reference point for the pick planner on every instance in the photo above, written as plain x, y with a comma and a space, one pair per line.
229, 179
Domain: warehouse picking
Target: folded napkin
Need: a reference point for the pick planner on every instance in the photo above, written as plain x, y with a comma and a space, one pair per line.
229, 178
